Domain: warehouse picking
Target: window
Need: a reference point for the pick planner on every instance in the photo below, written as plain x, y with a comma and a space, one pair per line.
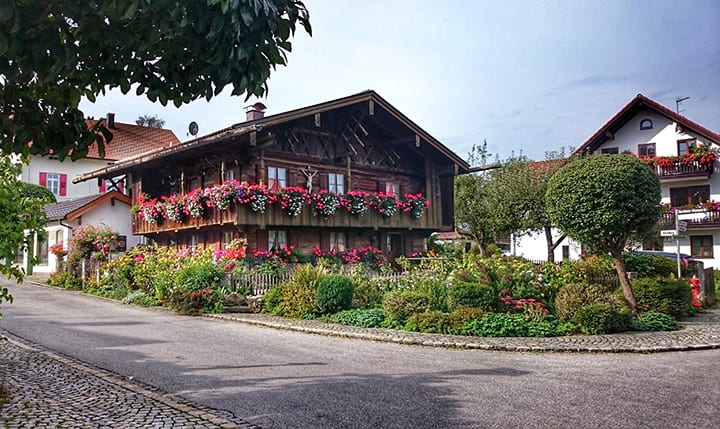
55, 182
647, 149
227, 238
691, 195
611, 150
337, 241
193, 242
229, 174
276, 177
193, 183
701, 246
392, 188
646, 124
684, 146
276, 239
41, 251
566, 253
336, 183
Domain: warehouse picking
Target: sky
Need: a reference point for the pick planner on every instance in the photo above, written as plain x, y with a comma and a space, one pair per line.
526, 76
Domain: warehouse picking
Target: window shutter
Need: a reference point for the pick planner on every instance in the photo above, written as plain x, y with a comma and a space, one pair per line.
43, 179
121, 186
103, 185
63, 185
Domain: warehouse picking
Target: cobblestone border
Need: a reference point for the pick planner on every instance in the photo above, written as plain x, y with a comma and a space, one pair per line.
194, 415
693, 336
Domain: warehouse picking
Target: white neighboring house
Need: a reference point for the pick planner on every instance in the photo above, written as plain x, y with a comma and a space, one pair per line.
111, 208
129, 141
649, 129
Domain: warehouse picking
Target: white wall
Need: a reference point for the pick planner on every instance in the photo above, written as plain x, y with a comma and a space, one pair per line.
31, 174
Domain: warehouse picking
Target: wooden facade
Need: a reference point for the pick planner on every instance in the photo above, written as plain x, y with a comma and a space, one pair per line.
357, 143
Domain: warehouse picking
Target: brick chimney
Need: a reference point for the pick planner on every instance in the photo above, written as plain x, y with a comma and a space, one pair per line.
110, 121
256, 111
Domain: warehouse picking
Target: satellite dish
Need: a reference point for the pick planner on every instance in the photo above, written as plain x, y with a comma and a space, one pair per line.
193, 128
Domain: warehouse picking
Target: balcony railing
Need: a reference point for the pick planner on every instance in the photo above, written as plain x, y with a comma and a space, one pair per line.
680, 169
696, 219
274, 217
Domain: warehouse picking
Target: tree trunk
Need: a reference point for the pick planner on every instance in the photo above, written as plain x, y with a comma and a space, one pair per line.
624, 281
550, 245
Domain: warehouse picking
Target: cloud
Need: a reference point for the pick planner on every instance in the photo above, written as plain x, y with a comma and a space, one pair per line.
586, 82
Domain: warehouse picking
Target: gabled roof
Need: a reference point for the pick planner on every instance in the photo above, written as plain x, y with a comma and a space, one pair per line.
257, 125
72, 209
637, 104
131, 140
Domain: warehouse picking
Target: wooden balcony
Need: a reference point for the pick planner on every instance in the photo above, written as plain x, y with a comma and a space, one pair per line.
681, 170
276, 218
696, 219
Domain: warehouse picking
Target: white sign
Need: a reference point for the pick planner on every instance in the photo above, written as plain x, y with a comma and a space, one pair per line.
682, 225
667, 232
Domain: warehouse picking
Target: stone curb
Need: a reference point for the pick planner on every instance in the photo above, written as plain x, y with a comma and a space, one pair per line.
205, 414
691, 337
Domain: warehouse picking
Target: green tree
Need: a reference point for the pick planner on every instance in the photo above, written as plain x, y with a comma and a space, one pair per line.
21, 217
517, 194
602, 201
53, 53
473, 215
150, 121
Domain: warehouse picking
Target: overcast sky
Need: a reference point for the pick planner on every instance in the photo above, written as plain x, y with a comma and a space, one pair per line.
528, 76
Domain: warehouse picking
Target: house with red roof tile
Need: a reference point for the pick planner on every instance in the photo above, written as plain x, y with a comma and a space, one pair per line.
682, 154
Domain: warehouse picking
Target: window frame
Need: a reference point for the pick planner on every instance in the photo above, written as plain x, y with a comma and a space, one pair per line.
645, 146
277, 237
689, 142
274, 179
702, 252
690, 191
338, 241
646, 124
336, 183
52, 183
392, 188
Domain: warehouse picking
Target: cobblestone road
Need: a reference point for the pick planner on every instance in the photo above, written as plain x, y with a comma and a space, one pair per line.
51, 391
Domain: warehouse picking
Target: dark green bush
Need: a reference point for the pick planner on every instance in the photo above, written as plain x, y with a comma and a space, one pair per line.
366, 318
602, 318
460, 316
653, 321
469, 294
400, 305
573, 296
334, 293
498, 325
650, 265
271, 299
667, 296
202, 274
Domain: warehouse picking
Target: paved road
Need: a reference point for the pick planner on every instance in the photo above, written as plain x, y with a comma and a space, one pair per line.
282, 379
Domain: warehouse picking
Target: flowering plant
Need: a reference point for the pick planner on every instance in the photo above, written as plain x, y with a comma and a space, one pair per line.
385, 204
92, 240
150, 209
58, 249
175, 209
531, 308
415, 204
368, 254
356, 202
220, 196
325, 203
286, 254
292, 199
257, 197
195, 203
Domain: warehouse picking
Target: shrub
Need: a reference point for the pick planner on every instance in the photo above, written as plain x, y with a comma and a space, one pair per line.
653, 321
574, 296
667, 296
65, 279
460, 316
473, 295
433, 322
195, 302
334, 293
602, 318
650, 265
369, 292
596, 266
198, 275
400, 305
366, 318
498, 325
271, 299
309, 276
139, 297
295, 301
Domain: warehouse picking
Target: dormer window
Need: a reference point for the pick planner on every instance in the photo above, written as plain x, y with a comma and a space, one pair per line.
646, 124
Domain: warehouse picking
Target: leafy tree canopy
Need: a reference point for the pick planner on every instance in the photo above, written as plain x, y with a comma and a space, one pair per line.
53, 53
602, 201
473, 215
150, 121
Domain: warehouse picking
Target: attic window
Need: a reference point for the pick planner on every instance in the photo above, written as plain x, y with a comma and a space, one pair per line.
646, 124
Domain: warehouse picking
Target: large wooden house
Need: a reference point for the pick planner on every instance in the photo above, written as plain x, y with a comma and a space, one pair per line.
358, 145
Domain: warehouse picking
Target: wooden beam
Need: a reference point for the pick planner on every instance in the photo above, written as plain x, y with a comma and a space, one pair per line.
371, 108
253, 138
417, 140
317, 120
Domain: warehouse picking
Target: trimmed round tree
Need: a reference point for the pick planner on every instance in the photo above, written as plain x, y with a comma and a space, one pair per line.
603, 200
